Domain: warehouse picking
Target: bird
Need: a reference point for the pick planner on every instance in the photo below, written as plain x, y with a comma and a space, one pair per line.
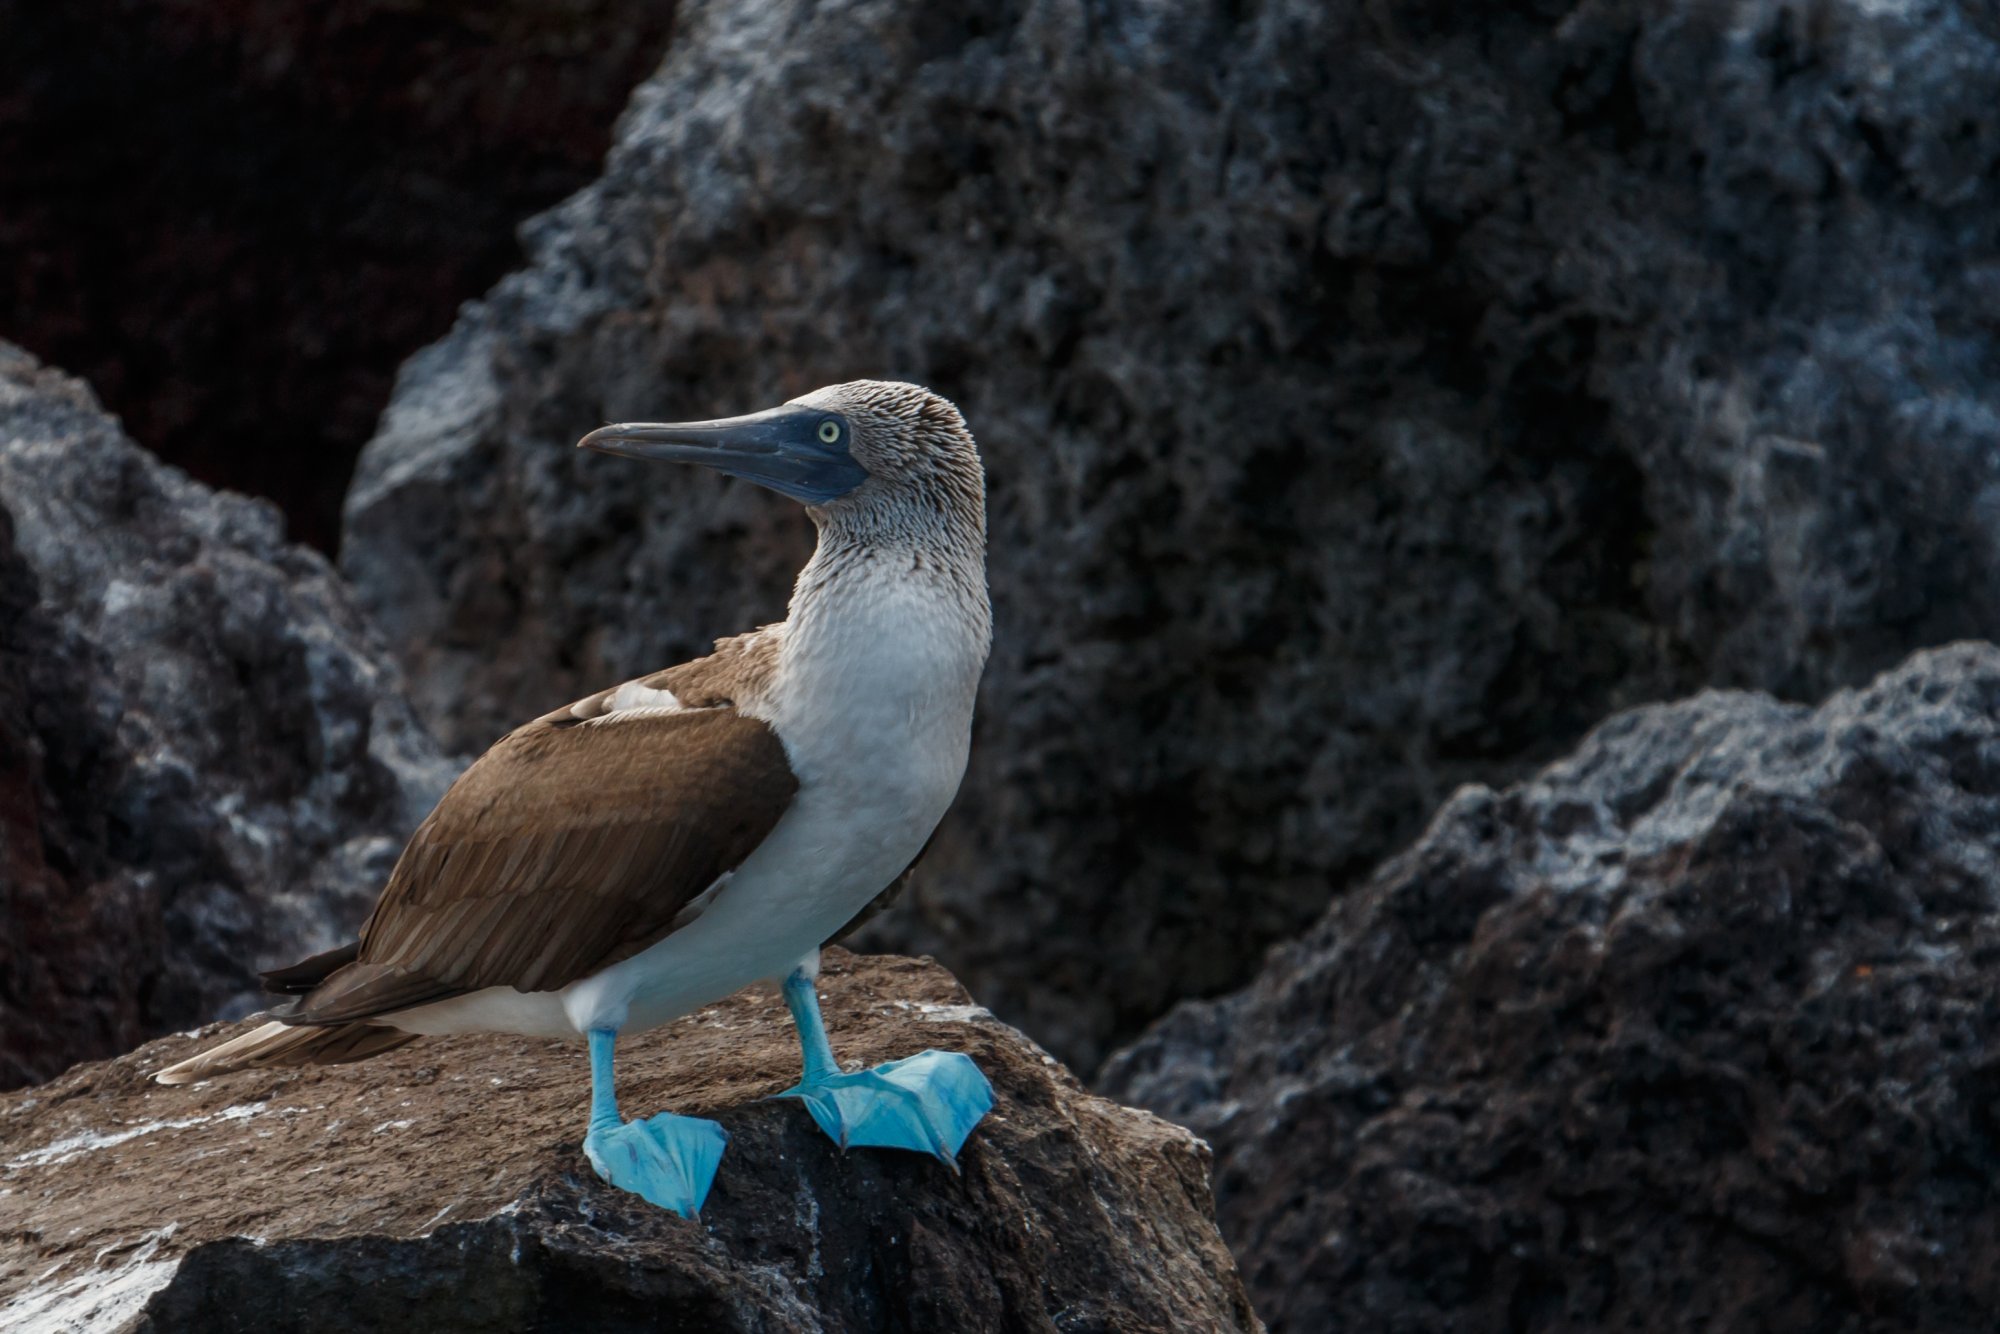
642, 852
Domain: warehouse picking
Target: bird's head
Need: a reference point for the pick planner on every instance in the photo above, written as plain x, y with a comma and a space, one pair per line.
846, 450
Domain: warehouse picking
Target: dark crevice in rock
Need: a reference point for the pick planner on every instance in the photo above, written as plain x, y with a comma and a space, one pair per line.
234, 218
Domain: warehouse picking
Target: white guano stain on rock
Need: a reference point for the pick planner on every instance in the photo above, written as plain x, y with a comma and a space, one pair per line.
89, 1141
100, 1298
946, 1014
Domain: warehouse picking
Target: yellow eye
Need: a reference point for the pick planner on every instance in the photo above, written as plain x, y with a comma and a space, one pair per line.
829, 431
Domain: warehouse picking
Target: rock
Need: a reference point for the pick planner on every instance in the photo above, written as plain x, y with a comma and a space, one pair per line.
442, 1187
1693, 1030
1371, 405
69, 925
206, 760
234, 217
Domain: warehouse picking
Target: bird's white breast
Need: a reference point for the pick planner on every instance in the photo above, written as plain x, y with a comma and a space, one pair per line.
874, 708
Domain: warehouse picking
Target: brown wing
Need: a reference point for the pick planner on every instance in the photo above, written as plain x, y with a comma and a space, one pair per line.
307, 974
567, 847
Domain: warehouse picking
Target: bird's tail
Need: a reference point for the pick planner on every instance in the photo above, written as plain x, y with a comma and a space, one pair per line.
287, 1044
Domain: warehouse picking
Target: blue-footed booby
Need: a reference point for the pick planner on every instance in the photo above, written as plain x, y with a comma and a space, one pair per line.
634, 856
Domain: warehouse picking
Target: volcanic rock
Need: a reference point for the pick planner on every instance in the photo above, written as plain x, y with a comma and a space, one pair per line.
442, 1188
206, 760
1373, 401
1695, 1030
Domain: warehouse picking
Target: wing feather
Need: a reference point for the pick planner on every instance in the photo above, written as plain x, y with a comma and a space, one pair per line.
567, 847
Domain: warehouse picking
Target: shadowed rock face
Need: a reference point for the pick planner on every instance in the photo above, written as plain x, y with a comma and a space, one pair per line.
1694, 1030
443, 1188
1372, 402
71, 927
234, 217
206, 763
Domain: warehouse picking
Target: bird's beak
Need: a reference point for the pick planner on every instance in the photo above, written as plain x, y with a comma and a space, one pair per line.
786, 449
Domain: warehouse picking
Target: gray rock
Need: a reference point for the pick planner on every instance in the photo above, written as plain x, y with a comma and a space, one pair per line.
442, 1188
206, 760
1373, 401
1694, 1030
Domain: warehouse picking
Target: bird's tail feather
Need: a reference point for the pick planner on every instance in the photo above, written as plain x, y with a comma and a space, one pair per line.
287, 1044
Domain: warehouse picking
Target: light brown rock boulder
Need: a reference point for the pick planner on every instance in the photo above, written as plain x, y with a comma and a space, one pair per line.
442, 1188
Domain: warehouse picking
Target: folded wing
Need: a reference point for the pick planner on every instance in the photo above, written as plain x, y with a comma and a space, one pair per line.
571, 844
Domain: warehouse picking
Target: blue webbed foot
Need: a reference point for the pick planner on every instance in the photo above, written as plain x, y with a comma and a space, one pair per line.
928, 1103
666, 1160
669, 1160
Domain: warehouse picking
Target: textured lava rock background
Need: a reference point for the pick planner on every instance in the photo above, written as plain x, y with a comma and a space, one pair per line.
1373, 400
1696, 1029
235, 217
206, 760
372, 1197
1376, 399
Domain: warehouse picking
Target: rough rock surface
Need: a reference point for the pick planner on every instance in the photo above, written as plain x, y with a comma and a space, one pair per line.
206, 761
442, 1188
235, 217
1695, 1030
1374, 398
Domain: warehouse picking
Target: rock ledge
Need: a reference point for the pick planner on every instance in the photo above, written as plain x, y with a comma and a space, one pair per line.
441, 1187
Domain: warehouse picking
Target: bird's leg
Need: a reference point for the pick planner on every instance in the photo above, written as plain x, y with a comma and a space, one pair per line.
669, 1160
928, 1102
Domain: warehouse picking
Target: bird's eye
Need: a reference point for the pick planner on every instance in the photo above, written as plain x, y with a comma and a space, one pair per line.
829, 431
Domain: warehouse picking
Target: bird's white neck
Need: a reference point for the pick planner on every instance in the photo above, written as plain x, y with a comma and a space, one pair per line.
888, 634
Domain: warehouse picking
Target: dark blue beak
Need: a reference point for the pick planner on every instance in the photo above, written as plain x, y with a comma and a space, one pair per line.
798, 451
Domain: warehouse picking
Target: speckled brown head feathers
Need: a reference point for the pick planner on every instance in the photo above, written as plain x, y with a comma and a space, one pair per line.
917, 450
